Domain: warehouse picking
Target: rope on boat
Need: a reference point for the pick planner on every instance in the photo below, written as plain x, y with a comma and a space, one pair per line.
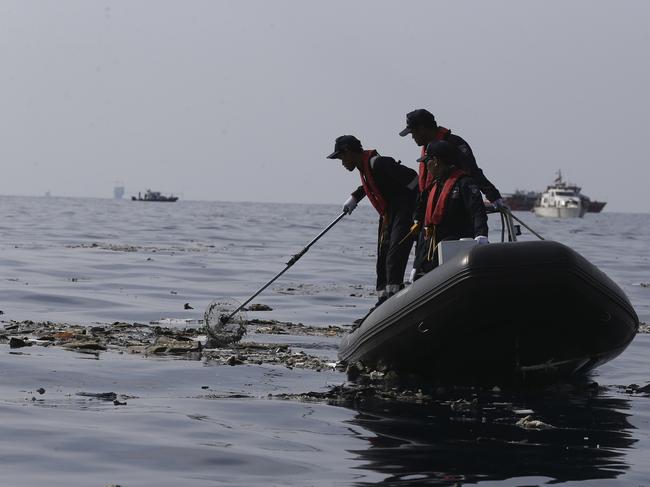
506, 223
526, 226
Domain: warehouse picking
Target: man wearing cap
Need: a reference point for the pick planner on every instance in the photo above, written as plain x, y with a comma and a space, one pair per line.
392, 190
422, 126
454, 207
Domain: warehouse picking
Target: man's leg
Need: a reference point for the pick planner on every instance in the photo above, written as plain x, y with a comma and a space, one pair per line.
382, 254
429, 258
420, 255
399, 249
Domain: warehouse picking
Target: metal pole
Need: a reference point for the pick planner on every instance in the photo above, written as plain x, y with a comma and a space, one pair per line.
291, 262
530, 229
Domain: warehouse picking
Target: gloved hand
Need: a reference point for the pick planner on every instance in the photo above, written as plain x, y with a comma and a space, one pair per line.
481, 240
499, 204
350, 204
413, 232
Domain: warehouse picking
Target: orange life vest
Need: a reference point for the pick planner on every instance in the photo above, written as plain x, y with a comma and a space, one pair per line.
425, 180
370, 185
436, 206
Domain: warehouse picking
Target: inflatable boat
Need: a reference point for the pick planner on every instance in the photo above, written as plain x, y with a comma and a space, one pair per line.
497, 313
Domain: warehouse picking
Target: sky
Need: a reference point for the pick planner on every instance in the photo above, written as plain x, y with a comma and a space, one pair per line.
241, 100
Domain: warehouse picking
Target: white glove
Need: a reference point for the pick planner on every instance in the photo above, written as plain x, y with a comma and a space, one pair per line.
412, 276
350, 204
499, 204
481, 240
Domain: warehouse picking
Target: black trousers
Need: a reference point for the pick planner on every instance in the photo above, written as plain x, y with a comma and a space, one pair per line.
421, 246
394, 247
422, 263
427, 263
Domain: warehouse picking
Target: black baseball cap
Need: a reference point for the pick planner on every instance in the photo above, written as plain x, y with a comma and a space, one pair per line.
344, 143
417, 118
439, 148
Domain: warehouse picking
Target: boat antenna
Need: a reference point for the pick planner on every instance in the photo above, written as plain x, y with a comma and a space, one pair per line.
219, 314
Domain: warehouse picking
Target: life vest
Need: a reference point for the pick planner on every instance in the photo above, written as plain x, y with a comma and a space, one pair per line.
425, 180
370, 185
436, 205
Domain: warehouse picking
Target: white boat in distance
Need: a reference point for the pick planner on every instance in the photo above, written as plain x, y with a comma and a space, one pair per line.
561, 200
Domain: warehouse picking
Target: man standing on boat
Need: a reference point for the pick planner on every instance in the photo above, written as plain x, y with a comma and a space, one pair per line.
392, 190
454, 207
422, 126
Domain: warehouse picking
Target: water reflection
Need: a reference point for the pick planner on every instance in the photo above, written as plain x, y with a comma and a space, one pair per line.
470, 437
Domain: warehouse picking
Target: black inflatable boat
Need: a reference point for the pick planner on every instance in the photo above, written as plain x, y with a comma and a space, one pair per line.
502, 312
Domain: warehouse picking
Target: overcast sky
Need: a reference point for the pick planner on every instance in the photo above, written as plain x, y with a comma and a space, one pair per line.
242, 99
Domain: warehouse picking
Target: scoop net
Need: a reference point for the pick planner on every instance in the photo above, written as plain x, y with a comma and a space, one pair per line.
222, 330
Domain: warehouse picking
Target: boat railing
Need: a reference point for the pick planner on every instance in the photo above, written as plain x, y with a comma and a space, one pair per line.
509, 230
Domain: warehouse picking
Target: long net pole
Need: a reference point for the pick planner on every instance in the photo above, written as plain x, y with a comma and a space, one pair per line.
291, 262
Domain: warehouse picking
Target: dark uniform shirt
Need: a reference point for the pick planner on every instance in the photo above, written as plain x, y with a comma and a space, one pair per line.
465, 215
398, 186
465, 160
395, 182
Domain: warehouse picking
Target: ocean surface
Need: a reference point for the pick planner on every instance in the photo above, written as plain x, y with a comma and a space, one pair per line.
193, 423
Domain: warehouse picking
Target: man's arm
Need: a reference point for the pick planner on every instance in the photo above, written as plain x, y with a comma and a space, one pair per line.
421, 207
474, 203
359, 193
467, 162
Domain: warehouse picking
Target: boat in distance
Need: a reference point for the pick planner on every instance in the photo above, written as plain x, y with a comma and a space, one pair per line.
154, 196
596, 206
554, 200
561, 200
521, 200
501, 313
525, 201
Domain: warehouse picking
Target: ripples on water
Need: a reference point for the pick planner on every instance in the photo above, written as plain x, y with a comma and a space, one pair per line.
89, 260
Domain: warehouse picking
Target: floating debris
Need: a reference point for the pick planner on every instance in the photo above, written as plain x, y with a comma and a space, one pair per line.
637, 389
85, 345
259, 307
265, 353
366, 387
358, 395
528, 423
273, 327
166, 345
103, 396
139, 248
189, 342
18, 343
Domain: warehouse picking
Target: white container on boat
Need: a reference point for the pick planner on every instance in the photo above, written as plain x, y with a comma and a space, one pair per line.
447, 249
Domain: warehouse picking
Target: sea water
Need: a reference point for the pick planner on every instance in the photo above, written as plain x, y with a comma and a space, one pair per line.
192, 423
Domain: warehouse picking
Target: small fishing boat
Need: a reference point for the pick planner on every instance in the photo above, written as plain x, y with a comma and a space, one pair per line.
154, 196
498, 313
